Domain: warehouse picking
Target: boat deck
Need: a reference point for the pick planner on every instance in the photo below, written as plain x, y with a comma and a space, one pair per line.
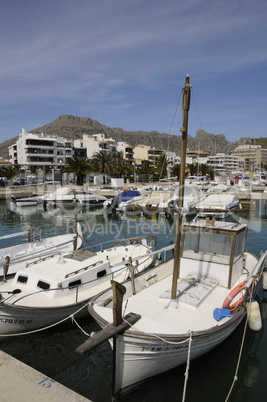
158, 317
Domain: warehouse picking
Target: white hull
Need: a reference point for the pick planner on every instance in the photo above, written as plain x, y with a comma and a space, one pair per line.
145, 358
64, 195
15, 320
26, 203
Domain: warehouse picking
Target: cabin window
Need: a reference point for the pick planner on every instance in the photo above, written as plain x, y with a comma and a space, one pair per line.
74, 284
239, 245
204, 245
22, 279
43, 285
100, 274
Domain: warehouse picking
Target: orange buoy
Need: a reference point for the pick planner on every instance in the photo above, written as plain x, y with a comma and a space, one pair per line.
232, 295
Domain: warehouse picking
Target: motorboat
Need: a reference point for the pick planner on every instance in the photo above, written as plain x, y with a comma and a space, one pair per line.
192, 195
124, 201
50, 290
220, 206
25, 201
19, 256
197, 180
219, 188
66, 195
184, 307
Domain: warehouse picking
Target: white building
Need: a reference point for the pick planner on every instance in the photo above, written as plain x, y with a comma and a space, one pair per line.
96, 143
40, 150
172, 158
127, 151
223, 163
251, 157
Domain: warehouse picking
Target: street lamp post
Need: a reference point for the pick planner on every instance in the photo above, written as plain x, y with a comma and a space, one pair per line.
133, 163
60, 164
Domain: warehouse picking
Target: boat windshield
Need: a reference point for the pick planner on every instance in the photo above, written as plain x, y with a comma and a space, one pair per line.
206, 245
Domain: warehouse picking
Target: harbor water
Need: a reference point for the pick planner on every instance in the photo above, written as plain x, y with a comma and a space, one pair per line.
52, 352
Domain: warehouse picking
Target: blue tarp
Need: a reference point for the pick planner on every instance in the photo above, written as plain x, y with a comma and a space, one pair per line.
128, 195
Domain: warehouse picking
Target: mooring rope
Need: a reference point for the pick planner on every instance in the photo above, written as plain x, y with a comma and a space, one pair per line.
157, 336
238, 363
241, 348
187, 366
78, 325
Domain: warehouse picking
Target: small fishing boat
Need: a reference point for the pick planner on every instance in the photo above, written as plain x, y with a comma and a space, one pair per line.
14, 258
214, 268
220, 206
182, 308
50, 290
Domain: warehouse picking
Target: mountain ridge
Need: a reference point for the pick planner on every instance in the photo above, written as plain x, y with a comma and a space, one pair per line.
73, 127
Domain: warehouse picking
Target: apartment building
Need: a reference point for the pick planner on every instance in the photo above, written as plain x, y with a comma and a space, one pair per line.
144, 152
95, 143
223, 163
40, 150
127, 151
251, 157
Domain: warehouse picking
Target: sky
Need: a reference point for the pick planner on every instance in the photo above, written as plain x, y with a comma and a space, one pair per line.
124, 63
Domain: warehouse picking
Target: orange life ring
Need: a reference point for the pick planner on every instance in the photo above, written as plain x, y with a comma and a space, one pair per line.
232, 295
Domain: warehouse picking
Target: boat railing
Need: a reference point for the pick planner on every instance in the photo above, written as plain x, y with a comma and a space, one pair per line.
43, 253
120, 266
13, 235
84, 269
126, 240
257, 269
38, 253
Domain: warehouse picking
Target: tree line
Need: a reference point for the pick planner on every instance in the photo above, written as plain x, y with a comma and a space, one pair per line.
113, 164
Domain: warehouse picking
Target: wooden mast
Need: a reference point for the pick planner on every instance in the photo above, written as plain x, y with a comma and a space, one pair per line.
177, 249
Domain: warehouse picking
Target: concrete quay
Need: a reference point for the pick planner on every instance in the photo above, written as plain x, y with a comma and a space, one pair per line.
20, 382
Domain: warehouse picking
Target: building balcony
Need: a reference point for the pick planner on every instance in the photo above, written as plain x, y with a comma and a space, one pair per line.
39, 154
39, 146
40, 160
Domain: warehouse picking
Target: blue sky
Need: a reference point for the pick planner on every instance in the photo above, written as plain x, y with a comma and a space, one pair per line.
124, 62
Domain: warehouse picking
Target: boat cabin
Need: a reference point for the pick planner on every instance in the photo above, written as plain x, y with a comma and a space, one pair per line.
213, 249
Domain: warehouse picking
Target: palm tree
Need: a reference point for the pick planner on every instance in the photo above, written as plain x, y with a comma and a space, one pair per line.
175, 171
102, 162
9, 171
147, 169
161, 165
120, 166
79, 166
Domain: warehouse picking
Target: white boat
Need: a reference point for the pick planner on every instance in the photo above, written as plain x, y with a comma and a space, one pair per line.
182, 308
192, 195
19, 256
218, 205
26, 201
54, 288
197, 180
66, 195
165, 337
